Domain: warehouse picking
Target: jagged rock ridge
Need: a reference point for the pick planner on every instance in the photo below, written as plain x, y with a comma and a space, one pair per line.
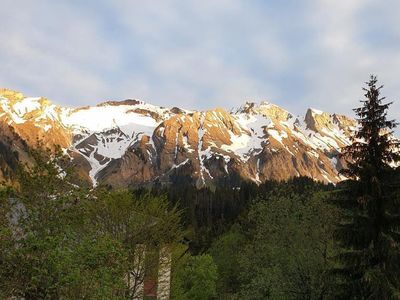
130, 142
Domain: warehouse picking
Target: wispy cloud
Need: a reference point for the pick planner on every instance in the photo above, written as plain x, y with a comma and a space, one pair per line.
201, 54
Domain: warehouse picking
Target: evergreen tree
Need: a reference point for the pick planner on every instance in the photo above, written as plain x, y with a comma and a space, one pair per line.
369, 232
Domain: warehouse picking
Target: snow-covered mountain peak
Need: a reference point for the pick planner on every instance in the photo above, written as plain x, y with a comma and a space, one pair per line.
132, 142
265, 108
15, 108
104, 117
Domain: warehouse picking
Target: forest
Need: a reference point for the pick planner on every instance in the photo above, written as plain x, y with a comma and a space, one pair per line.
297, 239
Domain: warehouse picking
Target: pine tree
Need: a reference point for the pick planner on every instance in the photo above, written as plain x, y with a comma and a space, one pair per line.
369, 233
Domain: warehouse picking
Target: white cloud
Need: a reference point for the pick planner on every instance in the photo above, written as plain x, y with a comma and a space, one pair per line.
191, 49
44, 54
344, 59
200, 54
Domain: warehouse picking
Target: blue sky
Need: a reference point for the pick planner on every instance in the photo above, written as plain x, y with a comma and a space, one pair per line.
202, 54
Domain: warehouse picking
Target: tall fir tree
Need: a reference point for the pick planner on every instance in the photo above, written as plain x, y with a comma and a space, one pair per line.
369, 233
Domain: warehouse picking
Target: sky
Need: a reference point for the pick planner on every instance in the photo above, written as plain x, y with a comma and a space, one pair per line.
202, 54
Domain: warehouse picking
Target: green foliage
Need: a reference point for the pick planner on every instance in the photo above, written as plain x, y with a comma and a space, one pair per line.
6, 244
209, 213
99, 267
195, 278
57, 267
226, 252
144, 219
282, 248
369, 232
59, 240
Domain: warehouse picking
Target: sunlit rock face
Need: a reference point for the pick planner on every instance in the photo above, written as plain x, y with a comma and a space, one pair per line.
133, 143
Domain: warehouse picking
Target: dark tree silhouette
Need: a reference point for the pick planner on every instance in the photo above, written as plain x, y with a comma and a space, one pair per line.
369, 232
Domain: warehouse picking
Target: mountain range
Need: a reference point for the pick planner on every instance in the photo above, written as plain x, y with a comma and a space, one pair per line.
133, 143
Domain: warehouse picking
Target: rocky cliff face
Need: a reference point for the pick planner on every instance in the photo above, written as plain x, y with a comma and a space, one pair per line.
130, 143
13, 150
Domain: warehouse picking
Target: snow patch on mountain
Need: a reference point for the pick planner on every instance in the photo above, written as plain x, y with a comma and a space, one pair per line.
316, 111
98, 119
251, 138
27, 105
